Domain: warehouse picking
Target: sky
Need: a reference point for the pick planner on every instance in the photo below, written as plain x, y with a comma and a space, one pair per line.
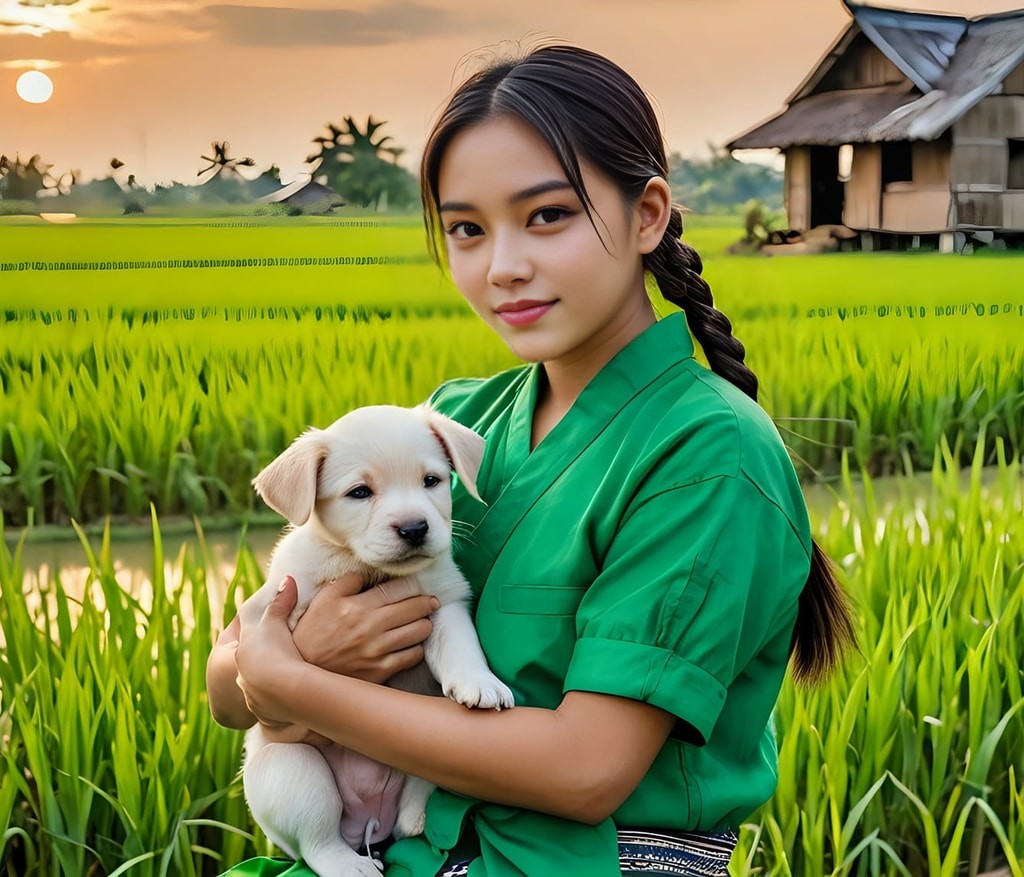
153, 82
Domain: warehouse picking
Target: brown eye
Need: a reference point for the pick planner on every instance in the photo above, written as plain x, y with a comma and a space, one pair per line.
549, 215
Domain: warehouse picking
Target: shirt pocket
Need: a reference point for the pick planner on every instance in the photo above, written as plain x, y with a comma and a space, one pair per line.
539, 599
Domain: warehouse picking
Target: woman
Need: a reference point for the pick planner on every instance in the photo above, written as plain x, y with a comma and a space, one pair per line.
642, 561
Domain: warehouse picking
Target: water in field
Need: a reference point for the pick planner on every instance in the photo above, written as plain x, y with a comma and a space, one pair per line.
218, 552
46, 563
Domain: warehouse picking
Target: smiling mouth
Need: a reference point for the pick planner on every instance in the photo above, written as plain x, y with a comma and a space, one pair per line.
521, 313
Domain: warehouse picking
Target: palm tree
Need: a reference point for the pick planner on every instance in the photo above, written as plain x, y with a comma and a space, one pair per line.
221, 164
361, 165
223, 181
22, 180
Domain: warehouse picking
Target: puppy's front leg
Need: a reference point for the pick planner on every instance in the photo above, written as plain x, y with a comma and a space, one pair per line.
453, 654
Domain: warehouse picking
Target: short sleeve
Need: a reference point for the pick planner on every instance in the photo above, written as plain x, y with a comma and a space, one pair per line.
697, 582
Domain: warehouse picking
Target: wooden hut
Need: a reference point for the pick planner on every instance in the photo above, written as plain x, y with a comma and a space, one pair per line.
911, 125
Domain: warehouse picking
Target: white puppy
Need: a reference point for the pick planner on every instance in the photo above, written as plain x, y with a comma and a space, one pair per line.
369, 494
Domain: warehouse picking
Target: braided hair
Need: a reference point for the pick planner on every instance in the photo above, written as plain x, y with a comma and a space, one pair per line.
586, 107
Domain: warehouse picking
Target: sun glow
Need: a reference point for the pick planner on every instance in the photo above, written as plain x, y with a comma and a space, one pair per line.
37, 19
34, 87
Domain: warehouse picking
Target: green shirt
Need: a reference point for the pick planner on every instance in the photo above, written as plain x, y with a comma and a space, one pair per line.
652, 546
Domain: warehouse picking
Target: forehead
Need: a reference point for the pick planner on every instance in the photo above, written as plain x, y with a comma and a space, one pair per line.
397, 451
504, 153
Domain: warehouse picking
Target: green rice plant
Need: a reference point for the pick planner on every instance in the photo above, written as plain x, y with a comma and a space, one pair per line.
171, 385
907, 762
105, 422
112, 762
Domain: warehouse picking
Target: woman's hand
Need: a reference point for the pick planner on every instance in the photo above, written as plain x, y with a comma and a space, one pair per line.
370, 634
267, 660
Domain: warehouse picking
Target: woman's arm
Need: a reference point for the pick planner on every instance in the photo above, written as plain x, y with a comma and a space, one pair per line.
579, 761
370, 635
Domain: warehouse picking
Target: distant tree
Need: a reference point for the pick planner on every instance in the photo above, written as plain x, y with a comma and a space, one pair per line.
267, 182
721, 183
23, 180
363, 167
223, 180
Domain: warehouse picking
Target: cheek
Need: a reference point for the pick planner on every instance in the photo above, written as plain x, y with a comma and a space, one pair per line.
340, 516
468, 271
441, 498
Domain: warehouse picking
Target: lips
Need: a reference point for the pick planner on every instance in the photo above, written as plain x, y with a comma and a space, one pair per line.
524, 311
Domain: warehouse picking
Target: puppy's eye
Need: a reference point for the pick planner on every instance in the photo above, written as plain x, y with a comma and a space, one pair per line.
431, 481
360, 492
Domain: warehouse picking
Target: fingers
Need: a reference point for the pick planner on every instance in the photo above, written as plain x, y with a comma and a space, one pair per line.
347, 585
393, 591
409, 610
408, 635
398, 661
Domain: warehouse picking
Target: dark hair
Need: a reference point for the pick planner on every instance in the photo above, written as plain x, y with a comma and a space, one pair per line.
585, 106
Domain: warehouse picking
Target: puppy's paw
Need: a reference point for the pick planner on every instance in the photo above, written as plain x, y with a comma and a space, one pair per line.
410, 822
484, 691
363, 866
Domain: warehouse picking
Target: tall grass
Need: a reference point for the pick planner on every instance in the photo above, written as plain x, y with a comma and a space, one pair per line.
907, 763
122, 388
111, 763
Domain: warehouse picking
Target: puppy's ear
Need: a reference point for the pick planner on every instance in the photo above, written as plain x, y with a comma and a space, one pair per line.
465, 449
288, 484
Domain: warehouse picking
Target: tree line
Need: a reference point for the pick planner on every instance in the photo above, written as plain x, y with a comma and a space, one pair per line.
351, 164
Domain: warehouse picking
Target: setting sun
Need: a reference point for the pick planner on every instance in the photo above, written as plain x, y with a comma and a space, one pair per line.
34, 87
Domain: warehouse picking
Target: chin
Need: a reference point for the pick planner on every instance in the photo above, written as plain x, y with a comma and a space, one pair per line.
405, 566
533, 349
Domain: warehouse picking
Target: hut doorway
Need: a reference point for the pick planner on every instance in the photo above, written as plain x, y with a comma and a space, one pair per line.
828, 191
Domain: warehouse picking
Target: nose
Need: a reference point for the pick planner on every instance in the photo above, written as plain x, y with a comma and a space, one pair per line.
509, 264
413, 532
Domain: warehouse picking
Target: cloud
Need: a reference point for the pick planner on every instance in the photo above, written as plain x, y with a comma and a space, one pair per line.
30, 64
288, 26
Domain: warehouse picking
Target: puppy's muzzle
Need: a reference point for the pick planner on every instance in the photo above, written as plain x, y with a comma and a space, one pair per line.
413, 533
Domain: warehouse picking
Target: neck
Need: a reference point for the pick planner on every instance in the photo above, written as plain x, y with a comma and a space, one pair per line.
568, 375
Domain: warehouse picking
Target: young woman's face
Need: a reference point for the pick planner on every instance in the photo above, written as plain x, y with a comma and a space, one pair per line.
523, 252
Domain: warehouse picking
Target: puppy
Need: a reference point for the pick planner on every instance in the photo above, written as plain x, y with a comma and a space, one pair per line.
371, 495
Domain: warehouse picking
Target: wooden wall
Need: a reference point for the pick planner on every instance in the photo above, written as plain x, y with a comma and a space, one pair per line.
912, 210
861, 66
797, 186
1013, 211
1014, 83
979, 172
862, 209
918, 206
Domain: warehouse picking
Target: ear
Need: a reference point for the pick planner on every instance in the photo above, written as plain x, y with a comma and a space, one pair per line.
653, 210
288, 484
465, 449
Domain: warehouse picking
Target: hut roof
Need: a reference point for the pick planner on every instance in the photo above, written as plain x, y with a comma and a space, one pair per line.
950, 62
301, 192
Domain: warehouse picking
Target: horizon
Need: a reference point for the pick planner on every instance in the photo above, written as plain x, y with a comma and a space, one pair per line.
154, 82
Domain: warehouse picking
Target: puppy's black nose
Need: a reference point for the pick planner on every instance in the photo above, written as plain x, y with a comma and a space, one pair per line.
415, 532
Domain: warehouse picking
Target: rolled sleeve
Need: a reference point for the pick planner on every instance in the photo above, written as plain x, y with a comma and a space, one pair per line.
697, 579
654, 675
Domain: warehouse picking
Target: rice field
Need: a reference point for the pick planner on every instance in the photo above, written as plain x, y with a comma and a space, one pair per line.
878, 355
149, 372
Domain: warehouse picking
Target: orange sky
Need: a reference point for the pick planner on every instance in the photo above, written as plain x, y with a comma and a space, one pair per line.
154, 81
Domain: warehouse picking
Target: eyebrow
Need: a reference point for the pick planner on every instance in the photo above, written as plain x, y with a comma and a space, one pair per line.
524, 195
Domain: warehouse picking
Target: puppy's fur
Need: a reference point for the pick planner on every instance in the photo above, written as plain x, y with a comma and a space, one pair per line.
369, 494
